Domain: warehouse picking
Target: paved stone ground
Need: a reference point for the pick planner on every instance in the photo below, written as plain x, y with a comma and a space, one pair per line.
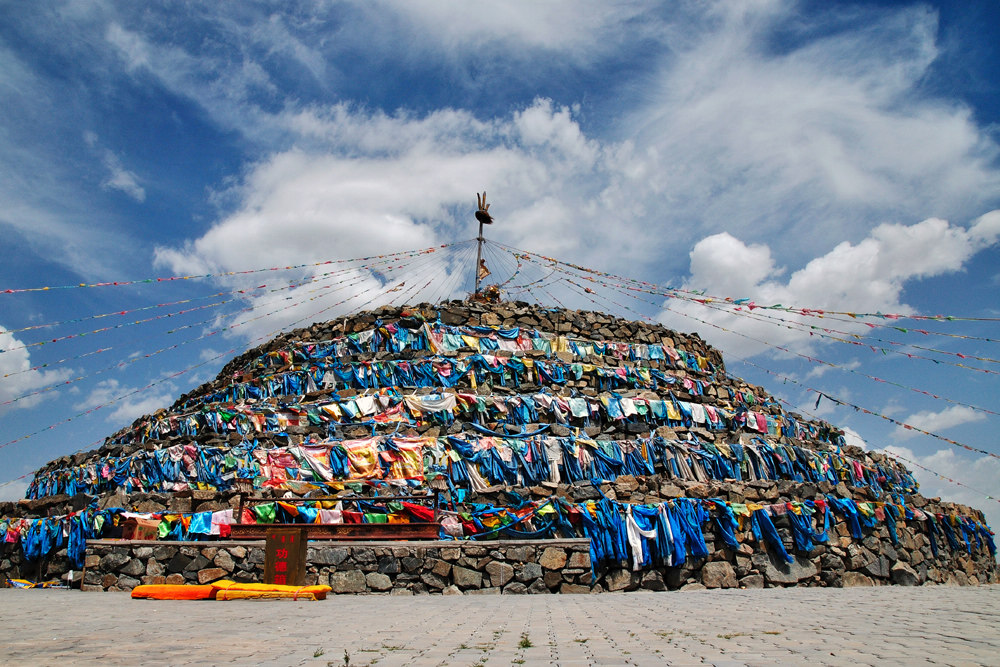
795, 626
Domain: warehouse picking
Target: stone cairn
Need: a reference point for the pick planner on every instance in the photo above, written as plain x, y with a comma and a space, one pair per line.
622, 413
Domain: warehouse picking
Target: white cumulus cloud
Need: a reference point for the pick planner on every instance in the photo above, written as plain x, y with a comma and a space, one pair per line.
865, 277
936, 422
17, 379
126, 403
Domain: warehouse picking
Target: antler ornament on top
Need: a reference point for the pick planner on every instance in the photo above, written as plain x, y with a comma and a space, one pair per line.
483, 214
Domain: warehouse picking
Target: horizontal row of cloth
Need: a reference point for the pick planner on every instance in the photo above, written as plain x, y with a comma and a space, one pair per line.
437, 371
469, 462
439, 338
663, 534
386, 406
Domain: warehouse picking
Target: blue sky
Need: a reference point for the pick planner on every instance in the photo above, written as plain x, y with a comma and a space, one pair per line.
841, 156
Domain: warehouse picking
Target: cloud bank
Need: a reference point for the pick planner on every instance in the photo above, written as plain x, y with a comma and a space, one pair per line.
17, 378
865, 277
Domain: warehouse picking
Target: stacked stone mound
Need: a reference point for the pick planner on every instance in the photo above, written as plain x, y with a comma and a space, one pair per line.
623, 410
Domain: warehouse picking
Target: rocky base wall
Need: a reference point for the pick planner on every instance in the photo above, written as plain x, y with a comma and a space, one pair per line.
392, 568
541, 566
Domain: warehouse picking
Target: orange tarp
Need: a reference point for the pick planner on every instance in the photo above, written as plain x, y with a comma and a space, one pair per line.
228, 590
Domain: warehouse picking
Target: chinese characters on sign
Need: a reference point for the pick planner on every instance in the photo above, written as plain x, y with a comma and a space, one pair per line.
285, 556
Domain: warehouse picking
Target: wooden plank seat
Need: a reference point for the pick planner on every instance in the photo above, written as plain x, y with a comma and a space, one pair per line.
344, 531
414, 530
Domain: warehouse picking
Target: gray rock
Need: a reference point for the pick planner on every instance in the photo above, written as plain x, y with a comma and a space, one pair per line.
411, 564
349, 581
388, 565
224, 560
466, 578
552, 579
653, 581
433, 581
113, 561
539, 587
134, 567
879, 567
500, 573
328, 555
904, 575
528, 572
378, 581
581, 491
776, 571
198, 563
752, 581
618, 580
515, 588
829, 561
177, 564
154, 568
163, 552
519, 554
364, 554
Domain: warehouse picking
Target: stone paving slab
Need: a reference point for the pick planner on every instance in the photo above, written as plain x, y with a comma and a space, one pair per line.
795, 626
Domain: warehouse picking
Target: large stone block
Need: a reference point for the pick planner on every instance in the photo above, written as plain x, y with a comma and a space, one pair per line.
904, 575
573, 589
553, 558
378, 581
210, 574
718, 574
466, 578
878, 567
579, 559
852, 579
619, 580
432, 580
778, 572
349, 581
500, 573
328, 555
134, 567
528, 572
113, 561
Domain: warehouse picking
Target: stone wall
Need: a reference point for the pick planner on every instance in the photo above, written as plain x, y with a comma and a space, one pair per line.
550, 566
394, 568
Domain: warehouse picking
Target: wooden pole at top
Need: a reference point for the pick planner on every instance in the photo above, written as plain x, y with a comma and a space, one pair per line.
484, 218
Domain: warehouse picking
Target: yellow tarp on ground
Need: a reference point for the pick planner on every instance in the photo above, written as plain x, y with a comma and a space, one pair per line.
228, 590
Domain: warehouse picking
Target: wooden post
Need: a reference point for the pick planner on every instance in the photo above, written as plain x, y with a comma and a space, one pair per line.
479, 256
